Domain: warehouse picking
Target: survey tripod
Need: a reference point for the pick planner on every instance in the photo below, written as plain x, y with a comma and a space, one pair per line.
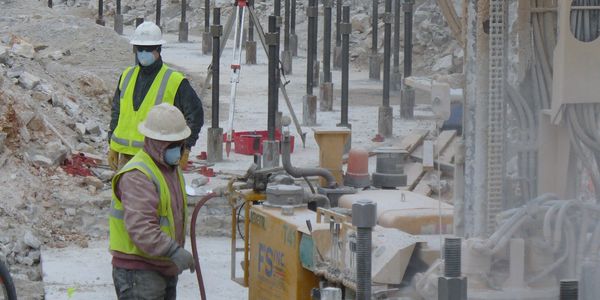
237, 19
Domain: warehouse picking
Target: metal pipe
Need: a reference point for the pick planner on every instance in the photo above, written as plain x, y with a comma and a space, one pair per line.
158, 9
100, 9
311, 12
273, 41
327, 41
303, 172
345, 27
277, 8
118, 6
293, 17
183, 8
397, 4
374, 22
250, 23
207, 15
364, 216
408, 45
338, 20
387, 45
216, 30
50, 3
286, 37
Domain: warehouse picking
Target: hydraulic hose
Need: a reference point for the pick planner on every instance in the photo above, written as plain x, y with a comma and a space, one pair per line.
193, 241
302, 172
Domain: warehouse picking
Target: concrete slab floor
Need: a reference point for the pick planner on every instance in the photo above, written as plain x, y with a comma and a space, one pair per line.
87, 272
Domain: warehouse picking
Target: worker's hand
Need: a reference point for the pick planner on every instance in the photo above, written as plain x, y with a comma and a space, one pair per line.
113, 159
185, 156
183, 259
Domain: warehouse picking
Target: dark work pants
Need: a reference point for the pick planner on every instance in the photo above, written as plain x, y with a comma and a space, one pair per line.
143, 285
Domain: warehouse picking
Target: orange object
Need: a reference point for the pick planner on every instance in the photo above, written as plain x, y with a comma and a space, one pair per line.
357, 174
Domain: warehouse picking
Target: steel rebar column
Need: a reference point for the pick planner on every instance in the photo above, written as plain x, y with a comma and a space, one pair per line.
345, 30
309, 107
293, 36
50, 3
100, 19
385, 125
337, 51
452, 286
326, 93
315, 36
118, 19
183, 25
271, 145
206, 36
158, 12
396, 79
215, 133
286, 55
407, 102
250, 43
375, 58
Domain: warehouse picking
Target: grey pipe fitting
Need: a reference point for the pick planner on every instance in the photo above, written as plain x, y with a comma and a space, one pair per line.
364, 217
302, 172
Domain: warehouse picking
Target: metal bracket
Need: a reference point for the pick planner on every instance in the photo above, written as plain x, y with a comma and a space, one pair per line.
271, 38
312, 12
345, 28
216, 30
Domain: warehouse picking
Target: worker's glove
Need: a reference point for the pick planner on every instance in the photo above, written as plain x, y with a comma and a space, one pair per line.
113, 159
185, 156
183, 259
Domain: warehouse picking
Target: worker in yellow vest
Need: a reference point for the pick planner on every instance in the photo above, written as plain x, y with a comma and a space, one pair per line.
140, 88
148, 211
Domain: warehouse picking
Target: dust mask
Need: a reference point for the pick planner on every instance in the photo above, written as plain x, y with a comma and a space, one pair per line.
173, 155
145, 58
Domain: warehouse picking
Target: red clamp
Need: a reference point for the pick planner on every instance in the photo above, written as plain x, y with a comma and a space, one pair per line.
236, 67
242, 3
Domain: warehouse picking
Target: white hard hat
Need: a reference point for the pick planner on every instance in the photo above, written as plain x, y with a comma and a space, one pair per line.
165, 123
147, 34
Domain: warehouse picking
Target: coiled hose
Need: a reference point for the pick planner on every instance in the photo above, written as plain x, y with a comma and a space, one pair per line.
193, 241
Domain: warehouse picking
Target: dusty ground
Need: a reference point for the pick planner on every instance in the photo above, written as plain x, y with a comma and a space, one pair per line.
55, 88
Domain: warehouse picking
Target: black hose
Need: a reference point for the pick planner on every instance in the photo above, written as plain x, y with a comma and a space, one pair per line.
193, 241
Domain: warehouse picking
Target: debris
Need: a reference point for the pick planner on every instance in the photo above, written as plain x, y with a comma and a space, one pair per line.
70, 107
443, 64
92, 127
70, 211
56, 55
93, 181
91, 85
28, 81
79, 165
22, 48
15, 72
30, 240
80, 128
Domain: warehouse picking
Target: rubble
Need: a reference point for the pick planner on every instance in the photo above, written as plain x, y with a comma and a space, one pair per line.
30, 240
28, 80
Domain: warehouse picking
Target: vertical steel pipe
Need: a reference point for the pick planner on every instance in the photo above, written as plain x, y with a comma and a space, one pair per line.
327, 41
158, 11
272, 39
338, 20
397, 4
311, 12
50, 3
286, 37
408, 32
183, 8
374, 22
118, 7
293, 17
207, 15
387, 53
569, 290
250, 23
216, 30
346, 29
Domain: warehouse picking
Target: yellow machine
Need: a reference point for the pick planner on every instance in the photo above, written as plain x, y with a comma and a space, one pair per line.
275, 268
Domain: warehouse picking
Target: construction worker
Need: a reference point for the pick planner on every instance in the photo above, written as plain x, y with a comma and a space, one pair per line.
148, 211
149, 83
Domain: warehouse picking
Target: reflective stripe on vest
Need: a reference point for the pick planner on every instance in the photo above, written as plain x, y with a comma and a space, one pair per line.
119, 237
126, 137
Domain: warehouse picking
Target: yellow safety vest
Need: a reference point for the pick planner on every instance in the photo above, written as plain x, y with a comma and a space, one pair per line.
126, 138
119, 237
